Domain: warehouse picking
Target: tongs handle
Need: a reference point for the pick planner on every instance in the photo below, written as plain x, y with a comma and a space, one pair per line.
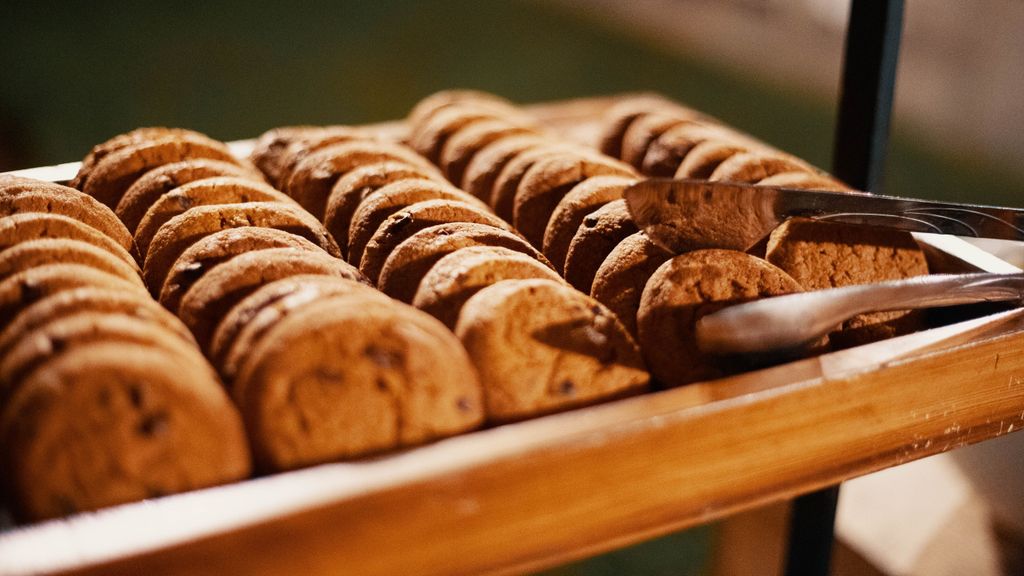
789, 321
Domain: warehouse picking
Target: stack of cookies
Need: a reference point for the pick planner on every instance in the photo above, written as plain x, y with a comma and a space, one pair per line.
321, 365
566, 200
539, 345
104, 396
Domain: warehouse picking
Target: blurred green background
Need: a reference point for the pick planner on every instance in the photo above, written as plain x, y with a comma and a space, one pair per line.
76, 73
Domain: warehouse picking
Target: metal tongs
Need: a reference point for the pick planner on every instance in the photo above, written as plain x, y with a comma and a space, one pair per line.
682, 215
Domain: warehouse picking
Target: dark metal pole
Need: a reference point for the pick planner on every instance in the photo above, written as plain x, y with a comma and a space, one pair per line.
862, 132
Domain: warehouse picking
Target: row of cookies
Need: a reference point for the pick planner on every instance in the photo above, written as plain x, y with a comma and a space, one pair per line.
426, 242
589, 234
104, 396
321, 366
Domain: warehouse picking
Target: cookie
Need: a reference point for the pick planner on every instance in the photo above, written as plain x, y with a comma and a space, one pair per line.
313, 178
113, 175
49, 250
390, 199
702, 160
487, 164
275, 149
617, 119
620, 280
350, 190
455, 278
823, 255
666, 152
297, 150
35, 348
247, 322
438, 101
48, 198
182, 231
348, 378
541, 347
548, 181
686, 288
104, 424
644, 130
594, 240
20, 290
206, 192
35, 225
217, 248
751, 167
430, 137
126, 140
581, 200
464, 143
804, 181
413, 218
503, 194
112, 300
159, 181
210, 297
414, 257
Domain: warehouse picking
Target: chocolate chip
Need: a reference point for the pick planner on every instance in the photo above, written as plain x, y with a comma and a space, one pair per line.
136, 395
382, 357
382, 385
567, 388
153, 425
590, 221
464, 404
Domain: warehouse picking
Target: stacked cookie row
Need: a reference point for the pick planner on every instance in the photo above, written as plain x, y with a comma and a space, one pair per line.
104, 396
567, 201
321, 366
539, 345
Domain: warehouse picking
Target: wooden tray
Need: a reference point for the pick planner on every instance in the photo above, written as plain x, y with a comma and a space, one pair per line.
540, 493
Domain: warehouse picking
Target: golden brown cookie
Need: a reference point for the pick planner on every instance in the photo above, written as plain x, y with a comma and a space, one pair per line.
218, 248
751, 167
24, 288
540, 347
487, 164
50, 250
465, 142
804, 181
245, 324
594, 240
620, 280
503, 194
438, 101
413, 218
213, 295
455, 278
105, 424
206, 192
390, 199
645, 129
122, 141
35, 348
352, 188
686, 288
347, 378
617, 119
275, 150
429, 137
666, 152
702, 160
90, 299
311, 182
823, 255
548, 181
113, 175
48, 198
405, 267
35, 225
159, 181
182, 231
581, 200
